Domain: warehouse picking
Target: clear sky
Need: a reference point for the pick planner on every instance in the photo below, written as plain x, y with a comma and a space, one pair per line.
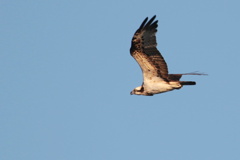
66, 74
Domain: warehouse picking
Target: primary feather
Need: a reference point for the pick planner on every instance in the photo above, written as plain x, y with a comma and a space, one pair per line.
154, 68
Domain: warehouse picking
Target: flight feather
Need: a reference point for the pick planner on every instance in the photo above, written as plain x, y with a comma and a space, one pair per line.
145, 52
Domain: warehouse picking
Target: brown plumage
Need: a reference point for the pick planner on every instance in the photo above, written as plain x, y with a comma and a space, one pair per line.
144, 47
154, 68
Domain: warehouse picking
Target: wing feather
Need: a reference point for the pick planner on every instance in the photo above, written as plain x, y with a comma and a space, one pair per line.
144, 51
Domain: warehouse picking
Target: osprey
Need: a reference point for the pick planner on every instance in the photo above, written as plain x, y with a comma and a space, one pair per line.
154, 68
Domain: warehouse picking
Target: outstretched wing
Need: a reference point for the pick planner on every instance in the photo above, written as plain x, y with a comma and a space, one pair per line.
177, 77
144, 51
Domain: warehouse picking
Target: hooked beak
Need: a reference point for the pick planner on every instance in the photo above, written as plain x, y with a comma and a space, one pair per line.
131, 93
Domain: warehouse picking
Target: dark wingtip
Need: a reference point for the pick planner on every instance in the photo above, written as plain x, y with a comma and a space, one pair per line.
154, 17
151, 20
196, 73
148, 23
143, 23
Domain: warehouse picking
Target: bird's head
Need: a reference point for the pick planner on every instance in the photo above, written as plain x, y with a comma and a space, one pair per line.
140, 91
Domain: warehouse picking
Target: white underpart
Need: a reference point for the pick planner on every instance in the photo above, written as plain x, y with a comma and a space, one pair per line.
157, 85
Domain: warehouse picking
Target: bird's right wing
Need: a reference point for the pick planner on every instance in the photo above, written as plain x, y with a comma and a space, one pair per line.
144, 51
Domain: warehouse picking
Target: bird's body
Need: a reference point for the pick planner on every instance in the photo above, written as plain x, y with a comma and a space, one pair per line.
156, 87
154, 68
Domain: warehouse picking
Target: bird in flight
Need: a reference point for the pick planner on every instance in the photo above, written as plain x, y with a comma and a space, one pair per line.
154, 68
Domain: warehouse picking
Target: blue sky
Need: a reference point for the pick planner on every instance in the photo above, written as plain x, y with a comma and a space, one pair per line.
66, 75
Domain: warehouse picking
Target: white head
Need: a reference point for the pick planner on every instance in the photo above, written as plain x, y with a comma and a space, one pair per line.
140, 91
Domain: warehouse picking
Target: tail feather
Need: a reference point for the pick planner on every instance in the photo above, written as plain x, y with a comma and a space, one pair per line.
187, 83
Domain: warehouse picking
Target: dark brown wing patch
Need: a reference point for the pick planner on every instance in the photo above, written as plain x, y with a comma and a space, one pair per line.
177, 77
144, 49
174, 77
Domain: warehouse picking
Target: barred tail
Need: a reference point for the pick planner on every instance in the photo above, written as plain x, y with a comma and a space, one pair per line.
187, 83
